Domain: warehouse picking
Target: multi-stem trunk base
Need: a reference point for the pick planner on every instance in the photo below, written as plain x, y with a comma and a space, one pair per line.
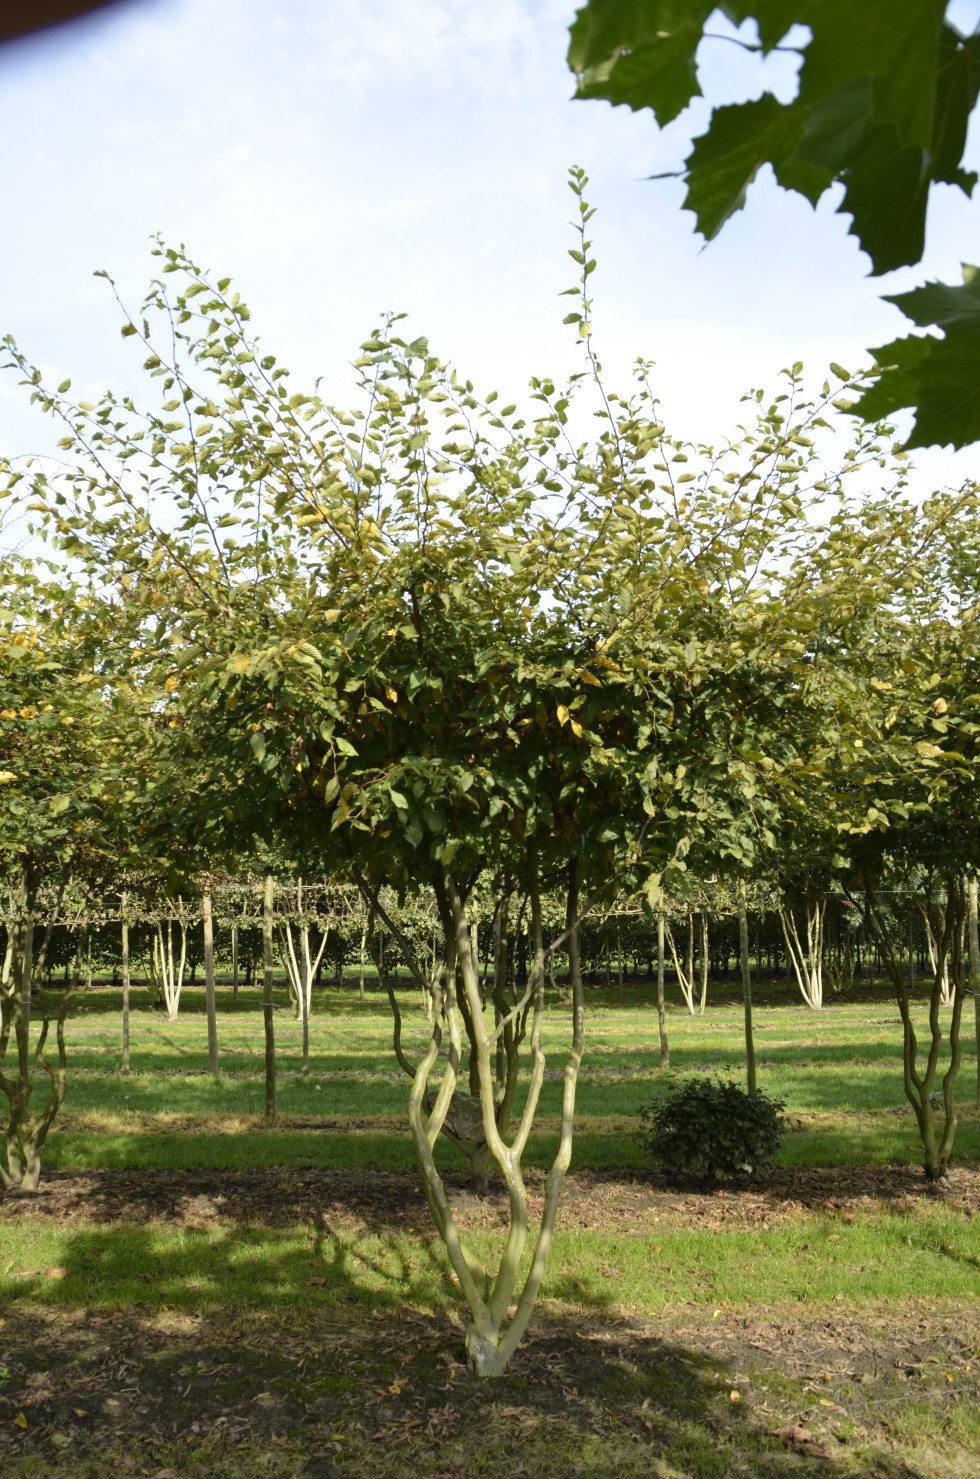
483, 1355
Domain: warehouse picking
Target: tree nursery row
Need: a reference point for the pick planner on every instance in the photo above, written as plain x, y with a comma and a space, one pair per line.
519, 682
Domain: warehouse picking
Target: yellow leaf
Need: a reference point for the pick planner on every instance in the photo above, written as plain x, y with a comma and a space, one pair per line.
588, 677
734, 1396
5, 776
331, 616
238, 662
563, 714
392, 694
170, 684
577, 729
20, 1421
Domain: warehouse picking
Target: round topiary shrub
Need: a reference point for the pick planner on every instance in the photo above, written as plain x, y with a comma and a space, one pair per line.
708, 1128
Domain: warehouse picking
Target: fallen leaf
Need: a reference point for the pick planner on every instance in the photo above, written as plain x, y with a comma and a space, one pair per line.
734, 1396
56, 1273
798, 1437
80, 1411
20, 1421
60, 1440
315, 1282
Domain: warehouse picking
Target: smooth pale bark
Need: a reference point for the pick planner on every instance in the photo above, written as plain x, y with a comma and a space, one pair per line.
499, 1304
948, 906
743, 950
685, 969
975, 971
806, 959
234, 963
124, 932
301, 968
168, 971
661, 1006
208, 925
705, 964
268, 904
946, 992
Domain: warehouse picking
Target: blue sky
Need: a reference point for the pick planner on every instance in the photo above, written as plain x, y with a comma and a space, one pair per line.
339, 159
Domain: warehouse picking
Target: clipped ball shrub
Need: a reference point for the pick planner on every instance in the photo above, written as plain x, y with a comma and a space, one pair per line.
709, 1128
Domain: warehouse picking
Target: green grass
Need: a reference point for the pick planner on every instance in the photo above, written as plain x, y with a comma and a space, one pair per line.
838, 1072
929, 1253
680, 1292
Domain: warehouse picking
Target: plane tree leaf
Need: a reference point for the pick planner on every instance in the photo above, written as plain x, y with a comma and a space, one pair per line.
883, 105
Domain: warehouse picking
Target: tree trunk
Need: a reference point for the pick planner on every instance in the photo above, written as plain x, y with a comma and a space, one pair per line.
26, 1133
661, 1008
208, 922
234, 964
124, 930
743, 946
806, 961
947, 902
975, 972
493, 1332
268, 900
704, 964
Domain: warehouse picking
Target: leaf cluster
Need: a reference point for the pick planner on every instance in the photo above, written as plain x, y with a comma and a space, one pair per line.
883, 104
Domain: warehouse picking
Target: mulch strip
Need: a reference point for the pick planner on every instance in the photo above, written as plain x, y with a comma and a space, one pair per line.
278, 1198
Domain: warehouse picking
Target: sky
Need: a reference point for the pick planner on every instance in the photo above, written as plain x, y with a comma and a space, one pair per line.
341, 159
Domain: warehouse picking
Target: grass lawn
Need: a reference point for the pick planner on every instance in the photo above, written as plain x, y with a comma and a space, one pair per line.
196, 1293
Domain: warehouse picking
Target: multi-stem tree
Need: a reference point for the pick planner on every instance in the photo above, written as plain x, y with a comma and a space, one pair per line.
68, 777
439, 643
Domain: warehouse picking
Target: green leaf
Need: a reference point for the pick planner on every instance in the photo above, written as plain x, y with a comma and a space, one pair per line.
957, 88
895, 46
948, 306
939, 377
725, 160
641, 55
257, 741
887, 190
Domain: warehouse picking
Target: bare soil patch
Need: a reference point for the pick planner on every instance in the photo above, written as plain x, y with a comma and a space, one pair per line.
280, 1198
168, 1395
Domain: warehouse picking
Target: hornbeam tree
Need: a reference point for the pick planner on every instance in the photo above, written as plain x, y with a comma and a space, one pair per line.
901, 583
67, 777
447, 648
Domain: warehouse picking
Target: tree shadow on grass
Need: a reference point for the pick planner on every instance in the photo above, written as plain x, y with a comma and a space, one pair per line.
371, 1391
